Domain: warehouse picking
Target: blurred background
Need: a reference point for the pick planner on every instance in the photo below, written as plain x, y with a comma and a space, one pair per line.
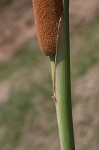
27, 112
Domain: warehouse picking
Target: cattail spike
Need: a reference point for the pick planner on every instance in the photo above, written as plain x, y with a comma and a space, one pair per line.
47, 14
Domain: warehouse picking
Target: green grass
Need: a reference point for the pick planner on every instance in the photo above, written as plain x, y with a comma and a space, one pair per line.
22, 100
27, 58
29, 109
87, 51
13, 117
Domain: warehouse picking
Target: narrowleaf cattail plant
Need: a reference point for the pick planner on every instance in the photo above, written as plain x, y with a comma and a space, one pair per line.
52, 25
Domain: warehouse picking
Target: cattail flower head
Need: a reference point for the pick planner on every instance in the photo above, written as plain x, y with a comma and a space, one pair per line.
47, 14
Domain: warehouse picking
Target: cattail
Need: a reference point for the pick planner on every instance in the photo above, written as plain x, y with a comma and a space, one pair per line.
47, 14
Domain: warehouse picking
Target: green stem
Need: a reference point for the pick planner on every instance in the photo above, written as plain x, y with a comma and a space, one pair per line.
52, 62
63, 85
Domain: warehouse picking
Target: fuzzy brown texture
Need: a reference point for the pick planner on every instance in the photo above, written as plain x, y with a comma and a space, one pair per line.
47, 14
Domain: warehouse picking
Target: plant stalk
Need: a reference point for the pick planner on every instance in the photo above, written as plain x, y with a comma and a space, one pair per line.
63, 84
52, 62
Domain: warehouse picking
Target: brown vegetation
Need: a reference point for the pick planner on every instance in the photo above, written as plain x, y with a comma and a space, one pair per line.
47, 15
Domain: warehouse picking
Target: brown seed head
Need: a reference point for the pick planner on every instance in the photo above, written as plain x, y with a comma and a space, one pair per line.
47, 14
